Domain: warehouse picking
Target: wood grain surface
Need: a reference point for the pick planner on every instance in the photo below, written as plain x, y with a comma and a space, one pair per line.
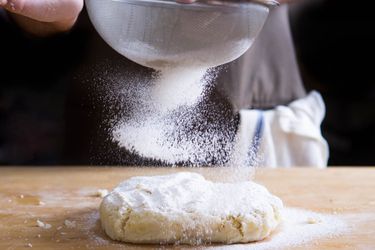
56, 194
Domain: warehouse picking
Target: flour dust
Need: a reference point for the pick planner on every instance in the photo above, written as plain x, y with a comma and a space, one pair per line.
165, 123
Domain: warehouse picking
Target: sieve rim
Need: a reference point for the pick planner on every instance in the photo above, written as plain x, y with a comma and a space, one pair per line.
204, 4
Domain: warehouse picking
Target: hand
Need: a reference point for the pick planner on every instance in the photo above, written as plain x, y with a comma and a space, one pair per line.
44, 17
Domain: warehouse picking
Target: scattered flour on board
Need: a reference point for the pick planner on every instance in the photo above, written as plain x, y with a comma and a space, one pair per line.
297, 229
70, 224
43, 224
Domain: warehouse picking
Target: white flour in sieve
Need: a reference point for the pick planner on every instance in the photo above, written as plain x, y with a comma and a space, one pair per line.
210, 56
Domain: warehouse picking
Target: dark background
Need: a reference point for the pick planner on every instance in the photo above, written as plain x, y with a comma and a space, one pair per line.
335, 47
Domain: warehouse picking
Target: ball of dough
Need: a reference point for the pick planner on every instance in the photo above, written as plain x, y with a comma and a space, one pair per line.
185, 208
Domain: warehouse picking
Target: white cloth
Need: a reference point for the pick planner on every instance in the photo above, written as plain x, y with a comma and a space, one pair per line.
287, 136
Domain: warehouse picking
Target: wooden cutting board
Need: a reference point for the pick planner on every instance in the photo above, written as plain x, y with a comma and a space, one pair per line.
54, 195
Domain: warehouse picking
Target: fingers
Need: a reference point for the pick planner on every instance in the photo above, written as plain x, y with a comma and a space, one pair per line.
45, 10
44, 17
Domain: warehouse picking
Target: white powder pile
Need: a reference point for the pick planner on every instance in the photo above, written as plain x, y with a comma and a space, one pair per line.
92, 230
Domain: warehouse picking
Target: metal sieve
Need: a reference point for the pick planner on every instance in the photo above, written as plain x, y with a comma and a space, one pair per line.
159, 33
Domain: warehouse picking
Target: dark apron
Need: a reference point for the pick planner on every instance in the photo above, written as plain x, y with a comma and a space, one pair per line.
267, 75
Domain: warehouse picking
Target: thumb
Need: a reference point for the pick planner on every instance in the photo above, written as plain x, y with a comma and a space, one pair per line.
44, 10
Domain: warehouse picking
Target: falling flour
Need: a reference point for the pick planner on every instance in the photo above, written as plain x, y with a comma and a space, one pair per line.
160, 126
177, 87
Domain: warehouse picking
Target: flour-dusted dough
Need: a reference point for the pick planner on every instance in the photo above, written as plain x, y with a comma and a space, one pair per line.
187, 209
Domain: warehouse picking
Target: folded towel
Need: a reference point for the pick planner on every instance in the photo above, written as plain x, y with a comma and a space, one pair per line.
287, 136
